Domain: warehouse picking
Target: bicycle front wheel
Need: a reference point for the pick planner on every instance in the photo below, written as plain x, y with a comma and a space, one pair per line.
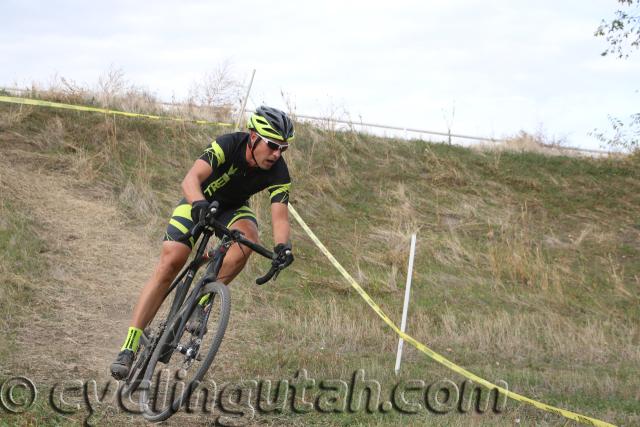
181, 358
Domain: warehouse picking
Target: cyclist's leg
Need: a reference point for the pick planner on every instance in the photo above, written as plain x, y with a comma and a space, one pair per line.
173, 256
172, 259
175, 252
241, 218
237, 256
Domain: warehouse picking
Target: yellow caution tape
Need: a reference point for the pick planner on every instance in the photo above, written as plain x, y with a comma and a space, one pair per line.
432, 354
40, 103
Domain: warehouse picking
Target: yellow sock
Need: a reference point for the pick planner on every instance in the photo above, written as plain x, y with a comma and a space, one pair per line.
204, 300
133, 339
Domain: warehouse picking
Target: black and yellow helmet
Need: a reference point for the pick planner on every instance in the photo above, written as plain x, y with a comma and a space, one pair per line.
271, 123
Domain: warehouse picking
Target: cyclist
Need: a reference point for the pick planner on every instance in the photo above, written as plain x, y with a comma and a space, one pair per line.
230, 170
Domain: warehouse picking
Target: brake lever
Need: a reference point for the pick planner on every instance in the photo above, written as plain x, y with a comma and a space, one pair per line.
280, 264
276, 267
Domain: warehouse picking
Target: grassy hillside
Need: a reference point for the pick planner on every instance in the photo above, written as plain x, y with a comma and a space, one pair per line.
527, 266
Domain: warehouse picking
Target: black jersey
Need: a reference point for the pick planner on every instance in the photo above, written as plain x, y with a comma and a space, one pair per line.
232, 181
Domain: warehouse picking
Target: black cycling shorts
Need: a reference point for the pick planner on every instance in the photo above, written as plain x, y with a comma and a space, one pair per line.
180, 222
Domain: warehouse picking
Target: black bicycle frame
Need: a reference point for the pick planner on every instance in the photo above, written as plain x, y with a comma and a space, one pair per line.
215, 259
190, 271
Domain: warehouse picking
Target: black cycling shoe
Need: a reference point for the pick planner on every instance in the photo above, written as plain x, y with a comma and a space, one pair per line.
197, 321
120, 368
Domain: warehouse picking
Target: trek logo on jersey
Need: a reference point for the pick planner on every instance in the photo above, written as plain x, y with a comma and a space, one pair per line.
220, 182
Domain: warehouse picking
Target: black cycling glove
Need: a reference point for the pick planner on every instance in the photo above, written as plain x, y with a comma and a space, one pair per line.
198, 210
284, 257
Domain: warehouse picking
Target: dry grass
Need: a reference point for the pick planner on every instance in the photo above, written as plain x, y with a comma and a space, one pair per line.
530, 143
520, 337
499, 276
443, 171
216, 97
15, 116
138, 196
618, 280
516, 256
53, 134
533, 143
393, 239
91, 290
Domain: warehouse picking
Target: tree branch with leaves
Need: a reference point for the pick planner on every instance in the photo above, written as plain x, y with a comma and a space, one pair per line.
622, 33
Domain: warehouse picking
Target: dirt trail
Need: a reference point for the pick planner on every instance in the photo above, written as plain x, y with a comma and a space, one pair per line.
97, 266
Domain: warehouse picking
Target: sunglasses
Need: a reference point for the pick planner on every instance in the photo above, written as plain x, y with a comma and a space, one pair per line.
274, 145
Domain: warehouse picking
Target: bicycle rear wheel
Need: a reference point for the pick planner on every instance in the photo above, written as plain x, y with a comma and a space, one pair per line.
181, 359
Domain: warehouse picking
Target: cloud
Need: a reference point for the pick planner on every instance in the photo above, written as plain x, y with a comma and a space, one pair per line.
506, 65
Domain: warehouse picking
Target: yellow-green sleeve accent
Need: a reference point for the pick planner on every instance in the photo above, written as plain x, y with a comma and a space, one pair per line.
215, 152
275, 190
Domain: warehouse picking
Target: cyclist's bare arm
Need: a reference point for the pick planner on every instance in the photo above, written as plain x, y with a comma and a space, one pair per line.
280, 222
194, 178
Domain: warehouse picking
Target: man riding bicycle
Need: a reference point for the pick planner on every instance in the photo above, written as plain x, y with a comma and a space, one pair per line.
234, 167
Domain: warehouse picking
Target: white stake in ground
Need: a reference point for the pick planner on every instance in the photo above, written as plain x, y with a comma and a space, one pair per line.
407, 291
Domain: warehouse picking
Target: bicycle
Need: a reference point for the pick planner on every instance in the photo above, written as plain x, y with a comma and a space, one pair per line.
171, 335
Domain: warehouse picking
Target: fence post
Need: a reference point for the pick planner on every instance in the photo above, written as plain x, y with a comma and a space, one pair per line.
244, 103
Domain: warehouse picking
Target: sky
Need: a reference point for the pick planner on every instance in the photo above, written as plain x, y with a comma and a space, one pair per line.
488, 68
